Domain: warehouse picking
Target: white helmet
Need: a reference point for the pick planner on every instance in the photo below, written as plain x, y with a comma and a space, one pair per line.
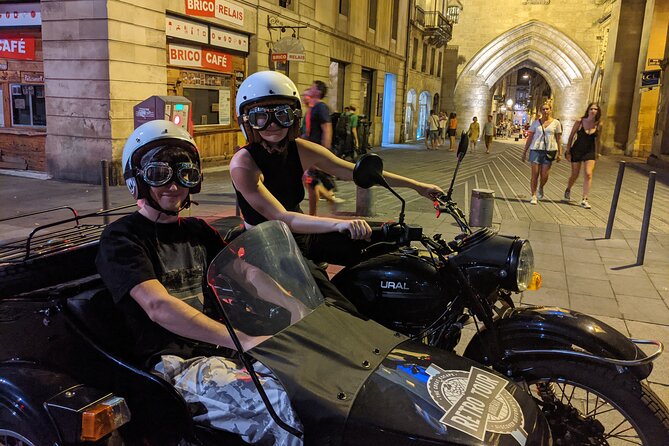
148, 136
264, 85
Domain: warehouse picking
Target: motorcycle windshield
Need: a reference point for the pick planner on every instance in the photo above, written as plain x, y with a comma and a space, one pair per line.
263, 282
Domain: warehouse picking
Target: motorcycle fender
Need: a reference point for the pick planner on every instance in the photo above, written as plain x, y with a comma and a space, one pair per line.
542, 328
26, 393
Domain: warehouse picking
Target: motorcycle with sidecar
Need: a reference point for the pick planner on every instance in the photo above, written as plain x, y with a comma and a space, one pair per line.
587, 377
66, 377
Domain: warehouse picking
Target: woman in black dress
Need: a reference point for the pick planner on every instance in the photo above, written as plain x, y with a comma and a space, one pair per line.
583, 148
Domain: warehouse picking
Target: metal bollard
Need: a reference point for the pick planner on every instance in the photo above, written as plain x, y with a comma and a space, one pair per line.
104, 181
363, 202
614, 201
481, 208
641, 253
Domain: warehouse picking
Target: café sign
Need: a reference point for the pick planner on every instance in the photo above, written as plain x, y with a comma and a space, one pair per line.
221, 9
17, 48
197, 57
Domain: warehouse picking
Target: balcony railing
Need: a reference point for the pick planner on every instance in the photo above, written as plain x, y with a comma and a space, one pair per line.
437, 28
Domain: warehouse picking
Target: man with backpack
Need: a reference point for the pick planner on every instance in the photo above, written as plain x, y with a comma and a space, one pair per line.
347, 133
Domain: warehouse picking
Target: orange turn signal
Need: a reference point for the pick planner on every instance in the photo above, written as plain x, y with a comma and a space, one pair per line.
103, 418
535, 282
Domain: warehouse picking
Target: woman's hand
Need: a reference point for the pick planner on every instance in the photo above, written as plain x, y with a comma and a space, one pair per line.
567, 155
359, 229
428, 190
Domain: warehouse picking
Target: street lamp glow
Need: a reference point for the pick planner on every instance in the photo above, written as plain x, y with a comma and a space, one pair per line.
509, 103
526, 76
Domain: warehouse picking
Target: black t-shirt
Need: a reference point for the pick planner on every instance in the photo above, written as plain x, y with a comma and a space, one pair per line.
133, 250
320, 114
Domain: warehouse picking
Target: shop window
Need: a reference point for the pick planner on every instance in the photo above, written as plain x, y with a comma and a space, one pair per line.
28, 106
210, 95
336, 86
282, 67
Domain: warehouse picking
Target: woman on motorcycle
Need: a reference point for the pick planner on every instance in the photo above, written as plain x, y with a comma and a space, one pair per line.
267, 173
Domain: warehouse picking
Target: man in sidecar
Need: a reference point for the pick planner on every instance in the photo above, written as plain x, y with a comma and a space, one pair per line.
153, 263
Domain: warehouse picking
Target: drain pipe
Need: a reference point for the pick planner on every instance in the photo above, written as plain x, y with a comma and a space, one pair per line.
403, 136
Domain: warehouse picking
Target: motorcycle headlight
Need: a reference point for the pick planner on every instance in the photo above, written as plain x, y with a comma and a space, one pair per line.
521, 263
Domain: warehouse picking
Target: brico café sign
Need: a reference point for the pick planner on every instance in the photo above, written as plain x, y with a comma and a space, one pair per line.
221, 9
197, 57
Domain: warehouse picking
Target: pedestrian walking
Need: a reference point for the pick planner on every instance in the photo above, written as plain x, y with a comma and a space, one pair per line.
319, 130
452, 129
583, 149
473, 133
545, 145
488, 133
433, 135
443, 128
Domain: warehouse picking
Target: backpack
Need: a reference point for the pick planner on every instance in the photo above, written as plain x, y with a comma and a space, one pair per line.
344, 122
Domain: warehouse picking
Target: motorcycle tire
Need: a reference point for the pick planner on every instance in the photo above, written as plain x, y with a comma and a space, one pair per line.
641, 409
17, 432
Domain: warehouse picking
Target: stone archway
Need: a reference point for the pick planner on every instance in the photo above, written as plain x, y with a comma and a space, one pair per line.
537, 45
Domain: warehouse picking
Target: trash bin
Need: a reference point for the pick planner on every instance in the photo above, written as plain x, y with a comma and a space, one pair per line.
480, 211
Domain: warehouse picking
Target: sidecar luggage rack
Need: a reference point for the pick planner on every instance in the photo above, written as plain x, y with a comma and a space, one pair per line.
41, 242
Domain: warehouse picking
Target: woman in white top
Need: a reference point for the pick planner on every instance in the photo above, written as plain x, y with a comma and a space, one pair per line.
544, 142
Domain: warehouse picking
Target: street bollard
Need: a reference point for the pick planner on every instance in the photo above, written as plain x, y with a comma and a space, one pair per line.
481, 207
104, 181
614, 201
641, 253
363, 202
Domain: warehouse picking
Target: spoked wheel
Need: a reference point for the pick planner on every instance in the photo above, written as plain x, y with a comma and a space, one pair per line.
11, 438
591, 404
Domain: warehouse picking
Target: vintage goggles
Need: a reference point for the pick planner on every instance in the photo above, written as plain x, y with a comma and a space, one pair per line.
158, 173
260, 118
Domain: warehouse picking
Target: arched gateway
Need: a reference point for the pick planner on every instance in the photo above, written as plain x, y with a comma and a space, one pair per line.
536, 45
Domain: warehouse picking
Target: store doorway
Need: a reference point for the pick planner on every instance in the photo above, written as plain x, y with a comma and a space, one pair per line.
423, 101
389, 88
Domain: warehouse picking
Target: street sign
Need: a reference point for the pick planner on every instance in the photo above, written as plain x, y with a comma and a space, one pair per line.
654, 62
651, 78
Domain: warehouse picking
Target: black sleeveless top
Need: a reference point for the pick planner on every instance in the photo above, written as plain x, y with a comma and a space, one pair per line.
584, 148
282, 173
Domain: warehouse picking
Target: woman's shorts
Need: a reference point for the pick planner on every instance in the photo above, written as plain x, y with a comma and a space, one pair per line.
539, 157
451, 132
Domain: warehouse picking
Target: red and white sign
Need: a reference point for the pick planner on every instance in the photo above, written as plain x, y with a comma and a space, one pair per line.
185, 56
215, 60
17, 48
201, 8
20, 14
227, 39
285, 57
221, 9
186, 29
193, 56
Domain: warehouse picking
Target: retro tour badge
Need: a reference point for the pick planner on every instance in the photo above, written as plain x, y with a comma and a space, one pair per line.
476, 402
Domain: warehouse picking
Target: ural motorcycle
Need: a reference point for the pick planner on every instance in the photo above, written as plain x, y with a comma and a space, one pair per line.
586, 376
66, 376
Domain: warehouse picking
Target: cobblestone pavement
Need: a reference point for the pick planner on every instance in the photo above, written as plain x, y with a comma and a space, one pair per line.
581, 269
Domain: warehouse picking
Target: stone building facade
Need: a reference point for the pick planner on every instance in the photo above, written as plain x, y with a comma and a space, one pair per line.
102, 57
594, 50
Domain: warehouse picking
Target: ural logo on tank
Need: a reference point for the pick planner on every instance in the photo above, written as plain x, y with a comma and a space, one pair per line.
388, 285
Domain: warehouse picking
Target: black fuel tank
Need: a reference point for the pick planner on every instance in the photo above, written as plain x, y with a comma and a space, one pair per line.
400, 290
